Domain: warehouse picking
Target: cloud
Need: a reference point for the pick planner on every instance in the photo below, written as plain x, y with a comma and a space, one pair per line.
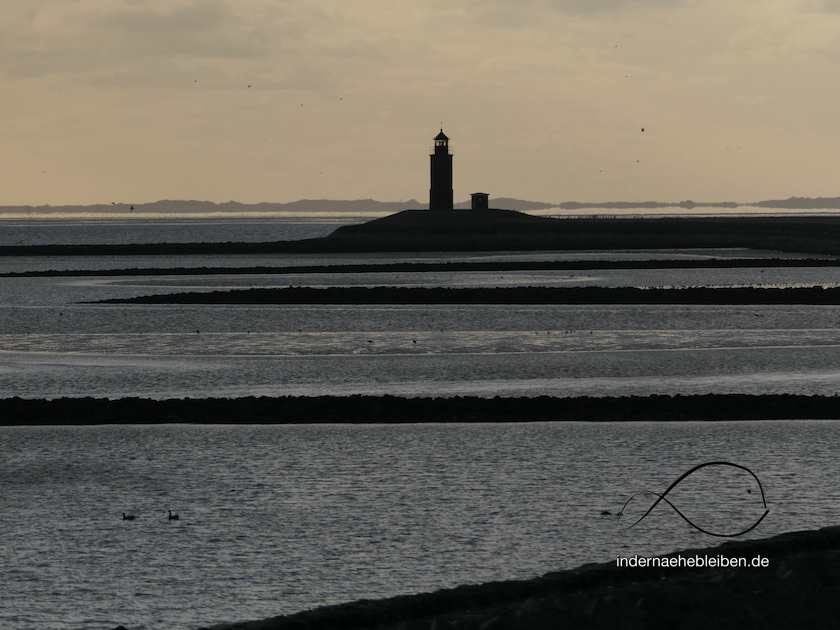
822, 6
198, 17
801, 40
276, 44
206, 28
601, 6
95, 40
518, 13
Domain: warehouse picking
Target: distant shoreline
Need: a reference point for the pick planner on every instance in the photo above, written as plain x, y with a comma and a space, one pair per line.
360, 409
183, 206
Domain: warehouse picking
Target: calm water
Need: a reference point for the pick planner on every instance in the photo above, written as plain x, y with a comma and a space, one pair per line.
277, 519
118, 230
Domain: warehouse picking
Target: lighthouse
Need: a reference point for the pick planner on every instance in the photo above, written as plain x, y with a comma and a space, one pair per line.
440, 193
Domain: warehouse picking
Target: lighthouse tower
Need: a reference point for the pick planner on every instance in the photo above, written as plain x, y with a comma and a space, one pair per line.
440, 194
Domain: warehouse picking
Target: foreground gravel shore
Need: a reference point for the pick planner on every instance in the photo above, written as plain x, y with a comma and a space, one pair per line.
797, 589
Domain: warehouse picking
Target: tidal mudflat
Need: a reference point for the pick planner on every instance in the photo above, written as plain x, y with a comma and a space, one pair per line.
157, 378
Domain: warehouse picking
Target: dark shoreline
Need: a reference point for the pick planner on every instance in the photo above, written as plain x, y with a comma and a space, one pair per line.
506, 230
393, 409
797, 590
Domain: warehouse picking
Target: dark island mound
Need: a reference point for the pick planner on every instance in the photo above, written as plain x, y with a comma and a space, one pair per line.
449, 230
508, 230
796, 590
395, 409
475, 230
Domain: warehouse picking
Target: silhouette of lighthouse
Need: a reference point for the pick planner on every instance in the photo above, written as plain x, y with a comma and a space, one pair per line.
440, 194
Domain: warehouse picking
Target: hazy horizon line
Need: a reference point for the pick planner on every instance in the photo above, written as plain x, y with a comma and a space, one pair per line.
361, 205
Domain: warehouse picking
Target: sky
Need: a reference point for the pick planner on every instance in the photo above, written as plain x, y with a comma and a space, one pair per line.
134, 101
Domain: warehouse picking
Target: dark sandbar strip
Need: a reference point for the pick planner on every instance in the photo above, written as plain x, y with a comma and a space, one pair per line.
460, 266
511, 295
395, 409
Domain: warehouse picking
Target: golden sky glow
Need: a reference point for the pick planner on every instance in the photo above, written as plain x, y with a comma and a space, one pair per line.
134, 101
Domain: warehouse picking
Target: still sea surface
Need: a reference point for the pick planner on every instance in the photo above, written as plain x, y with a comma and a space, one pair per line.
278, 519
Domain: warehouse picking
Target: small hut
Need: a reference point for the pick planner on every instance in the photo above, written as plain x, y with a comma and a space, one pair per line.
480, 201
